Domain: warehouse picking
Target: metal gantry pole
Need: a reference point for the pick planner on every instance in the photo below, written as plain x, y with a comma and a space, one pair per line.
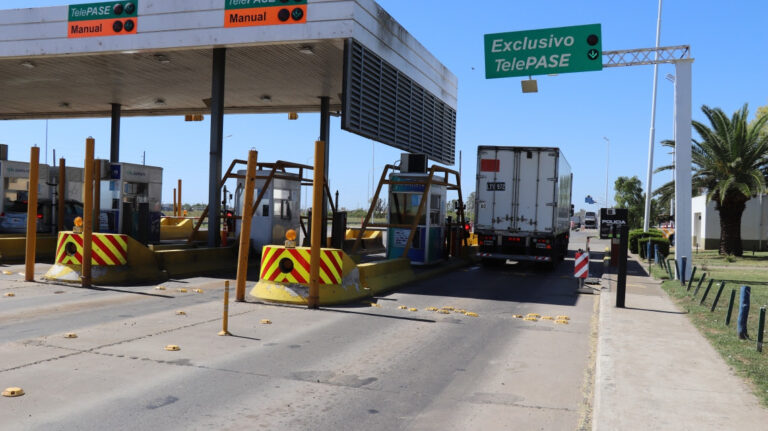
325, 132
683, 161
114, 144
29, 261
217, 135
652, 138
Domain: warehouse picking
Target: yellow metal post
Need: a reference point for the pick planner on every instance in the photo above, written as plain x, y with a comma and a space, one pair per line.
34, 160
62, 195
225, 318
87, 212
179, 196
96, 194
245, 226
175, 208
317, 224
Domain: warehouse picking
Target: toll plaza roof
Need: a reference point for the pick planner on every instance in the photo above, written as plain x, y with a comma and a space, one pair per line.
56, 64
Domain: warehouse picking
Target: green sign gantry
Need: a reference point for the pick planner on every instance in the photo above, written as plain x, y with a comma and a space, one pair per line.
544, 51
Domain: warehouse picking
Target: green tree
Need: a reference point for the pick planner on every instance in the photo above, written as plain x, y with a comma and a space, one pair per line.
629, 195
727, 163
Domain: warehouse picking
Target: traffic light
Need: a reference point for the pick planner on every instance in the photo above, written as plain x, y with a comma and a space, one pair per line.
127, 10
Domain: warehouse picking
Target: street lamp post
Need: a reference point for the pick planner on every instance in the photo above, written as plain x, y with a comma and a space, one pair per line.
607, 163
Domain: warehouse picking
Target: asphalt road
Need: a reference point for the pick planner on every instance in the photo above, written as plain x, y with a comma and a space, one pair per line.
345, 368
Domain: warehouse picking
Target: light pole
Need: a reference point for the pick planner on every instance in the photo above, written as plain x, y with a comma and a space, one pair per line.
607, 162
649, 177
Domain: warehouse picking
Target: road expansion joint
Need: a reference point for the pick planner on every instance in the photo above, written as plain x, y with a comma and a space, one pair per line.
93, 350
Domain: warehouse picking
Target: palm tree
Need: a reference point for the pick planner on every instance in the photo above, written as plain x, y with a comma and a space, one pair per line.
728, 162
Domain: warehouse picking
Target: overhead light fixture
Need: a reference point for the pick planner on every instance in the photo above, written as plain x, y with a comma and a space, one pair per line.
64, 105
159, 101
266, 98
162, 59
306, 49
28, 65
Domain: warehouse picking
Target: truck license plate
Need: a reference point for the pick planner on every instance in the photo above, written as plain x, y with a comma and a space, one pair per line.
498, 186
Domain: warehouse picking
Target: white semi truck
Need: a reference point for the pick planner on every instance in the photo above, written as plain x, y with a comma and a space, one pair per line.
523, 204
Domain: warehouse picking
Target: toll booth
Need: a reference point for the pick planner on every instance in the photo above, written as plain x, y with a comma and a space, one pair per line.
14, 186
130, 200
405, 194
278, 211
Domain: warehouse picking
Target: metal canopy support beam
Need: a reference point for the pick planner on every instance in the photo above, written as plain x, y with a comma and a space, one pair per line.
325, 132
114, 146
683, 188
217, 135
638, 57
680, 56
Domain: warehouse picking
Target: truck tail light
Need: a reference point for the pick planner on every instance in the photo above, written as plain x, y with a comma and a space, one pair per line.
39, 216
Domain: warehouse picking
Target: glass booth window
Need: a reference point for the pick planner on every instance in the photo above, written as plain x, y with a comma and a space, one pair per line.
283, 203
435, 210
404, 207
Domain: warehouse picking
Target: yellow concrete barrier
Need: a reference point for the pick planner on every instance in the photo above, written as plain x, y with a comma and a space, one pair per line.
175, 228
13, 247
373, 240
187, 262
117, 259
284, 276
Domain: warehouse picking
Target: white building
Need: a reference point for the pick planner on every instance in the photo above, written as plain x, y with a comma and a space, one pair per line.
754, 224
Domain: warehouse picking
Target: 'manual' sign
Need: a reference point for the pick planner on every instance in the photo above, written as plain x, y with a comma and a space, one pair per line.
113, 18
247, 13
543, 51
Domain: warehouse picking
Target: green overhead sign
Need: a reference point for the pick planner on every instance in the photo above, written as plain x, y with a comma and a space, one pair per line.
544, 51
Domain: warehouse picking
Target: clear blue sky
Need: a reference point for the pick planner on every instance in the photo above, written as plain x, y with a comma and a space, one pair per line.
571, 111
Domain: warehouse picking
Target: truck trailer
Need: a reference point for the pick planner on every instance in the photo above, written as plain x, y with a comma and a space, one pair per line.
523, 204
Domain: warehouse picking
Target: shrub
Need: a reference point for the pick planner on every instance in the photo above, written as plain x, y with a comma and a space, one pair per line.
636, 234
663, 244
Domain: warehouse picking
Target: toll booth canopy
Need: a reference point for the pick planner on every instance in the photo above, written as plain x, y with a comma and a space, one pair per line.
159, 57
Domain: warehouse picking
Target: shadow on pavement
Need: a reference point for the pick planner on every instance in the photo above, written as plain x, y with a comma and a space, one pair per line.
656, 311
520, 282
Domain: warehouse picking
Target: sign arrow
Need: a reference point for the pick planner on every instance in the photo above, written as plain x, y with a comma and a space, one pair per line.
593, 54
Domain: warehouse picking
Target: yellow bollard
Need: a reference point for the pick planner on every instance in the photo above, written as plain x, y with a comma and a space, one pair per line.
317, 224
62, 195
225, 319
245, 226
87, 212
179, 196
96, 194
34, 160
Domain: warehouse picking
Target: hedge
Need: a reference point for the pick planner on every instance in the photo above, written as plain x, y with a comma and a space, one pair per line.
663, 244
636, 234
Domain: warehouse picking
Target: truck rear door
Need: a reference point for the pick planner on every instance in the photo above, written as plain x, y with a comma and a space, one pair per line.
495, 189
538, 176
